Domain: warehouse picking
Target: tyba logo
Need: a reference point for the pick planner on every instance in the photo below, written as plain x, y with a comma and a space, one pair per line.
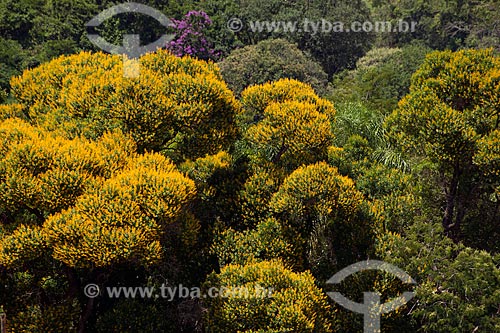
371, 307
131, 48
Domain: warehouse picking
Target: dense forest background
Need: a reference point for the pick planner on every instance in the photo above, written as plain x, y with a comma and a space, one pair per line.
245, 159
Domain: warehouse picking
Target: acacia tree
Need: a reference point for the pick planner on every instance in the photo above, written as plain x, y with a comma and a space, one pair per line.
286, 123
90, 206
450, 117
266, 297
324, 217
179, 106
85, 190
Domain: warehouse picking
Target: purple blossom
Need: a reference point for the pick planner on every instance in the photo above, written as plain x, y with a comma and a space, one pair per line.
190, 39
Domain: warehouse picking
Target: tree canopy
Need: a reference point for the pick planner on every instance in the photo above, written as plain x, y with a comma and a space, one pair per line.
220, 187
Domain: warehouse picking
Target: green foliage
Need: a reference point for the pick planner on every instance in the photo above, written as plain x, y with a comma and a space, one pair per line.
296, 304
256, 194
354, 118
36, 22
12, 57
457, 287
391, 191
441, 24
134, 181
356, 159
203, 169
40, 25
484, 31
381, 78
132, 315
218, 180
488, 155
53, 319
334, 51
271, 60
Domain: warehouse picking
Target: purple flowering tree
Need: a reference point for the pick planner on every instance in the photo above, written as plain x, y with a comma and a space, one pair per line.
190, 38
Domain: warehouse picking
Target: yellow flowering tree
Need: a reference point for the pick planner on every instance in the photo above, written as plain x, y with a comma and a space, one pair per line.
324, 216
83, 206
179, 106
451, 117
266, 297
286, 123
122, 220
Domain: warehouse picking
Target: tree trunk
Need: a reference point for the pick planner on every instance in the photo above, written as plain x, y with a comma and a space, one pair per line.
87, 312
282, 150
450, 227
73, 281
97, 277
3, 323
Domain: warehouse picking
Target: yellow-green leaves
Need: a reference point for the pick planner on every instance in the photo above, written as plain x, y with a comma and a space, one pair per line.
265, 242
42, 171
24, 244
488, 156
99, 201
425, 123
323, 215
179, 106
286, 123
122, 220
451, 119
453, 102
463, 79
258, 97
279, 300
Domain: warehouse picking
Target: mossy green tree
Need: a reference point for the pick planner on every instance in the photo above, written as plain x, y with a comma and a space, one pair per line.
381, 77
271, 60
